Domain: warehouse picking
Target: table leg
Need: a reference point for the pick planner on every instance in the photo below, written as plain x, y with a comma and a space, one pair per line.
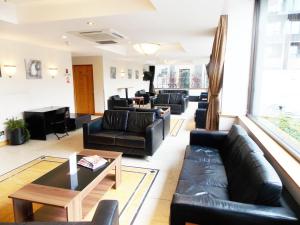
22, 210
74, 210
118, 172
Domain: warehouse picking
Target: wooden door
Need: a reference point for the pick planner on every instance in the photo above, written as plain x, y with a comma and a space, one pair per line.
84, 89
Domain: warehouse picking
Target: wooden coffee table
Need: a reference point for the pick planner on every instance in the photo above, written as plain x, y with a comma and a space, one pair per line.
67, 197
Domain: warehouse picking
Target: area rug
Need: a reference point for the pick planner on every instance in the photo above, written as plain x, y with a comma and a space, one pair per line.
135, 185
176, 124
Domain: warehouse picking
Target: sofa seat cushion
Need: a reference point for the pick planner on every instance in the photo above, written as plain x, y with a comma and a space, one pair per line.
191, 188
204, 174
139, 121
106, 137
130, 139
203, 154
115, 120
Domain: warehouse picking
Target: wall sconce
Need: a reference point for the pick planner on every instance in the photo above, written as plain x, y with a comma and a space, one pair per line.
9, 70
122, 73
53, 72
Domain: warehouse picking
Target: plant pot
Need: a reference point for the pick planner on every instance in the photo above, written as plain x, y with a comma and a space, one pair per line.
16, 136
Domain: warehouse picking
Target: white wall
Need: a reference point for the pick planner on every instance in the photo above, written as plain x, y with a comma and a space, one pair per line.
97, 63
111, 85
237, 59
18, 94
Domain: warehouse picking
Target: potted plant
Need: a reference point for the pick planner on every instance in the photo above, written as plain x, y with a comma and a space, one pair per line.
17, 133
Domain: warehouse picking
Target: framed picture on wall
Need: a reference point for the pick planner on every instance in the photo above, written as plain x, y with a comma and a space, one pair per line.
113, 72
33, 68
129, 73
137, 74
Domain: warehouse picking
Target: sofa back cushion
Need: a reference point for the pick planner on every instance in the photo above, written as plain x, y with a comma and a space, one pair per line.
234, 157
124, 108
115, 120
138, 121
163, 98
255, 182
115, 97
156, 111
175, 99
235, 131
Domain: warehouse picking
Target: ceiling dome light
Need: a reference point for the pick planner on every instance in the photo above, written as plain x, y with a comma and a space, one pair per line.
90, 23
146, 48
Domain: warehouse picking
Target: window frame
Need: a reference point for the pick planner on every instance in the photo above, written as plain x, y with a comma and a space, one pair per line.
251, 89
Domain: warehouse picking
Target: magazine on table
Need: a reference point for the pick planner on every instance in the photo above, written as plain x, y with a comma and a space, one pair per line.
92, 162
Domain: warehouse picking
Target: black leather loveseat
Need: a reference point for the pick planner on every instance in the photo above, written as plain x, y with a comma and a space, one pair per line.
225, 179
176, 102
116, 101
166, 117
105, 214
184, 92
133, 133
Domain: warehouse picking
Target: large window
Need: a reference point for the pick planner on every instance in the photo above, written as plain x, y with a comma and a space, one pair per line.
181, 76
276, 83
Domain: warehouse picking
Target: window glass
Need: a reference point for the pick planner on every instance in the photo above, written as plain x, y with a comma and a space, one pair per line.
181, 76
276, 85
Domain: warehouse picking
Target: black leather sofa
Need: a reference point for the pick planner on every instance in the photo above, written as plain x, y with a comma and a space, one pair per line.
115, 101
200, 115
166, 117
225, 179
176, 102
143, 93
105, 214
133, 133
184, 92
203, 97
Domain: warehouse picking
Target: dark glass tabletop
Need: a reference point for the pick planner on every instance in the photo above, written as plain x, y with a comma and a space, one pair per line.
60, 177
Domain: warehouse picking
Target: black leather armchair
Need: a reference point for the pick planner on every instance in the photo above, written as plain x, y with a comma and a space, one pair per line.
200, 115
225, 179
106, 214
142, 93
203, 97
116, 101
133, 133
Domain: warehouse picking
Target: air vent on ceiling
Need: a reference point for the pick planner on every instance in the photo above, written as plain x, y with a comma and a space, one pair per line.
106, 36
107, 42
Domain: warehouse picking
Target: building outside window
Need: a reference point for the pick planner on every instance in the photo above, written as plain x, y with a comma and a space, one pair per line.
181, 76
276, 84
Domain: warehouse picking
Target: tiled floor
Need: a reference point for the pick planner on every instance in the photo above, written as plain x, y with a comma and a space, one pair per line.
168, 158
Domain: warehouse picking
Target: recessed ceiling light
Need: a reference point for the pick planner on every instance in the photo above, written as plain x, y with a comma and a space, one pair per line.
64, 37
90, 23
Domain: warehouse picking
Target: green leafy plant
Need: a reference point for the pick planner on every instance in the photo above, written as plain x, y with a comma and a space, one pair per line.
15, 123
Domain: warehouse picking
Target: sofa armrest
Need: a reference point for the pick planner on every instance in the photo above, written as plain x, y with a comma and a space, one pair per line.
213, 139
205, 209
93, 126
200, 118
154, 136
107, 213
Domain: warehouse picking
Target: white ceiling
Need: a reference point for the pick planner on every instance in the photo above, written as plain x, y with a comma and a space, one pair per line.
184, 28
